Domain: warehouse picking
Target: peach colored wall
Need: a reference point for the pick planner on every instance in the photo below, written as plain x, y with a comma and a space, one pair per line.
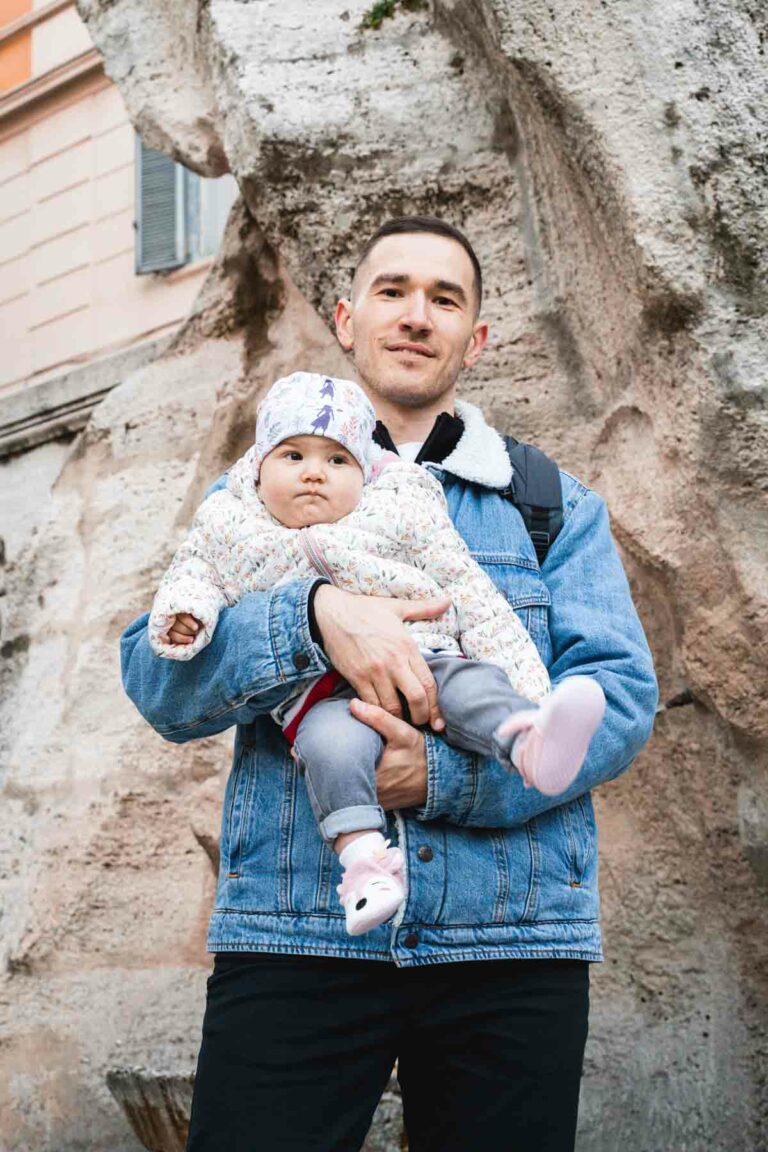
16, 53
15, 60
12, 9
68, 291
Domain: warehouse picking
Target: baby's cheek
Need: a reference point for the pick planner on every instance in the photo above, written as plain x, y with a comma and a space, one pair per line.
347, 505
276, 503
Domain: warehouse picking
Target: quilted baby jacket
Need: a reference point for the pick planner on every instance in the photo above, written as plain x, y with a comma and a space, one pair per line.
399, 541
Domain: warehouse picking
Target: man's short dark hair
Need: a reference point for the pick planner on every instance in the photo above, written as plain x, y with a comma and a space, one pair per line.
400, 225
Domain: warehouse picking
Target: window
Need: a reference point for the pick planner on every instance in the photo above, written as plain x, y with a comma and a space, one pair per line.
180, 216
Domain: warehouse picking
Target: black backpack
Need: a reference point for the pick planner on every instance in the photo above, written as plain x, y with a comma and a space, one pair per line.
536, 493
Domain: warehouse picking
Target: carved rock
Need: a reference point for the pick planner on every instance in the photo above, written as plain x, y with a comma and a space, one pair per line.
608, 163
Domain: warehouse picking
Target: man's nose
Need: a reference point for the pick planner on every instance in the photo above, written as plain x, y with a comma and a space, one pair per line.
416, 312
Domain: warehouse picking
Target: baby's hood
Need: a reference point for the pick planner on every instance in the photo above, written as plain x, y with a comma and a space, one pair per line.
240, 478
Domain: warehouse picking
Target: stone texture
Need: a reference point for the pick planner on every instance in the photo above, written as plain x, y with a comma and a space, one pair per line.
609, 163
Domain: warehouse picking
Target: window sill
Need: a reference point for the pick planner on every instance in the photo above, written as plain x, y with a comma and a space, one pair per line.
184, 272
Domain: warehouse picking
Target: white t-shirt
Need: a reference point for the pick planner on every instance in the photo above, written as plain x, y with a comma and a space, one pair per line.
409, 450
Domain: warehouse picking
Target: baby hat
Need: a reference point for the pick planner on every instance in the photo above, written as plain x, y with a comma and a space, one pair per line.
307, 404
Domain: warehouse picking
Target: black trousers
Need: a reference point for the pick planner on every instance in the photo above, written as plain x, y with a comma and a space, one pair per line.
297, 1051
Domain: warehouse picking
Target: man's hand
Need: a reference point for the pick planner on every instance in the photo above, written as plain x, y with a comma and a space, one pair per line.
365, 640
401, 777
184, 628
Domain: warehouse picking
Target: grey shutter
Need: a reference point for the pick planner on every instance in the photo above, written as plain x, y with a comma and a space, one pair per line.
161, 240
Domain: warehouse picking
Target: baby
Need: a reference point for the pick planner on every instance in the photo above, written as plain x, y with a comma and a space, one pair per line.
315, 495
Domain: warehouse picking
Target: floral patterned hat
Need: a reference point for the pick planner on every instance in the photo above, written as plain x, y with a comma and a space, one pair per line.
307, 404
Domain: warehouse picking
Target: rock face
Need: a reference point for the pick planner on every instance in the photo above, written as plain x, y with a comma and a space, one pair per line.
608, 162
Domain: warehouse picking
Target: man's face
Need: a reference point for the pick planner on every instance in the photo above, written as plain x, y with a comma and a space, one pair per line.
310, 480
411, 324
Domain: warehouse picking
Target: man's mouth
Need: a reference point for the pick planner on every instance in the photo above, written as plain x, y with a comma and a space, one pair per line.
416, 349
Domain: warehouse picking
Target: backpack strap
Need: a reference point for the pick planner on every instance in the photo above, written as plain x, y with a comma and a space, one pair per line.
536, 493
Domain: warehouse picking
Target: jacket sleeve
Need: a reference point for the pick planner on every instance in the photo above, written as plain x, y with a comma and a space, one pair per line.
261, 649
488, 626
195, 579
595, 631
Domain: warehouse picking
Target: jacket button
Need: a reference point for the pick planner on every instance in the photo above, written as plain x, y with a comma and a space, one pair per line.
411, 940
301, 661
425, 853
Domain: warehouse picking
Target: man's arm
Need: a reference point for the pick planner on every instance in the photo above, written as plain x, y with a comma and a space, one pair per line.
594, 630
261, 648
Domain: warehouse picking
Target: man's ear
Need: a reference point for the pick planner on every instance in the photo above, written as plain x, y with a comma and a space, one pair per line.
344, 325
477, 342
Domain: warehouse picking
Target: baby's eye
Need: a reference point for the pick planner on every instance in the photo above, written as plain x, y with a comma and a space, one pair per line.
293, 455
338, 459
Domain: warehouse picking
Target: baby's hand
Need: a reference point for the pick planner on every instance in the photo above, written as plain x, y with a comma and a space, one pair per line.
183, 629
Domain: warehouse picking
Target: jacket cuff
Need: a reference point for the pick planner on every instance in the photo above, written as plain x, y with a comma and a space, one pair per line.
295, 652
451, 782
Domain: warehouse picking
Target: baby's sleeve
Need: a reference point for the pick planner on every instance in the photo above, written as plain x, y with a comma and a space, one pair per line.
195, 579
489, 627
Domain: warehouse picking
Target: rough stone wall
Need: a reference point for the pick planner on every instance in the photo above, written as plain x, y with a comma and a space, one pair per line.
609, 163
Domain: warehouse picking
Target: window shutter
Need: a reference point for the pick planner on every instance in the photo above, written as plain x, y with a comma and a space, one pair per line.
161, 240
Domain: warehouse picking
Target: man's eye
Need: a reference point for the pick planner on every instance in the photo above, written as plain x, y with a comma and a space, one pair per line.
391, 292
444, 300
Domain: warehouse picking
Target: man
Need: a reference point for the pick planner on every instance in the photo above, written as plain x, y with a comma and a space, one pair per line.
480, 986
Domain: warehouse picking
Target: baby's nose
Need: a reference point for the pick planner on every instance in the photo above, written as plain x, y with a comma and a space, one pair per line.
315, 471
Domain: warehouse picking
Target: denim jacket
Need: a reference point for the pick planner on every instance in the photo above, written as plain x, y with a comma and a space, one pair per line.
493, 870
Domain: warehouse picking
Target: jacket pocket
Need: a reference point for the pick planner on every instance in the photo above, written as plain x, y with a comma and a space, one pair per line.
239, 804
578, 829
520, 583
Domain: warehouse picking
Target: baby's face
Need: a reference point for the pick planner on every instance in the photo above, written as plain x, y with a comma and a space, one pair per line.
310, 480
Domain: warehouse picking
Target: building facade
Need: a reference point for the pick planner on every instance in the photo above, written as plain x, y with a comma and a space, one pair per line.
104, 245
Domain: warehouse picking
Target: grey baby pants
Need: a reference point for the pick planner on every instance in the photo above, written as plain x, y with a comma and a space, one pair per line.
339, 754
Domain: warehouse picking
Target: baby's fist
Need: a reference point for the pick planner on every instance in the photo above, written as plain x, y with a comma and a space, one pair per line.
183, 629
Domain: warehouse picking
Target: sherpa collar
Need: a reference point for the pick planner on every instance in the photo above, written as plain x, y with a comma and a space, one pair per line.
478, 452
480, 455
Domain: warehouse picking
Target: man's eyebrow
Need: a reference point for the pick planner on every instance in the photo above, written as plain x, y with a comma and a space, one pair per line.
449, 286
389, 278
402, 278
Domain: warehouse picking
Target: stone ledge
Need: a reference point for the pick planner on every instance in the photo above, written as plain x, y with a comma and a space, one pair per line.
156, 1105
61, 406
30, 92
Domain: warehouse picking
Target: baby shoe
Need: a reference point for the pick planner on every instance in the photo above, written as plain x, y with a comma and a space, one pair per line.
553, 739
372, 889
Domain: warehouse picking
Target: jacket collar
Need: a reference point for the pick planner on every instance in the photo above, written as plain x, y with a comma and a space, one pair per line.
466, 445
481, 455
